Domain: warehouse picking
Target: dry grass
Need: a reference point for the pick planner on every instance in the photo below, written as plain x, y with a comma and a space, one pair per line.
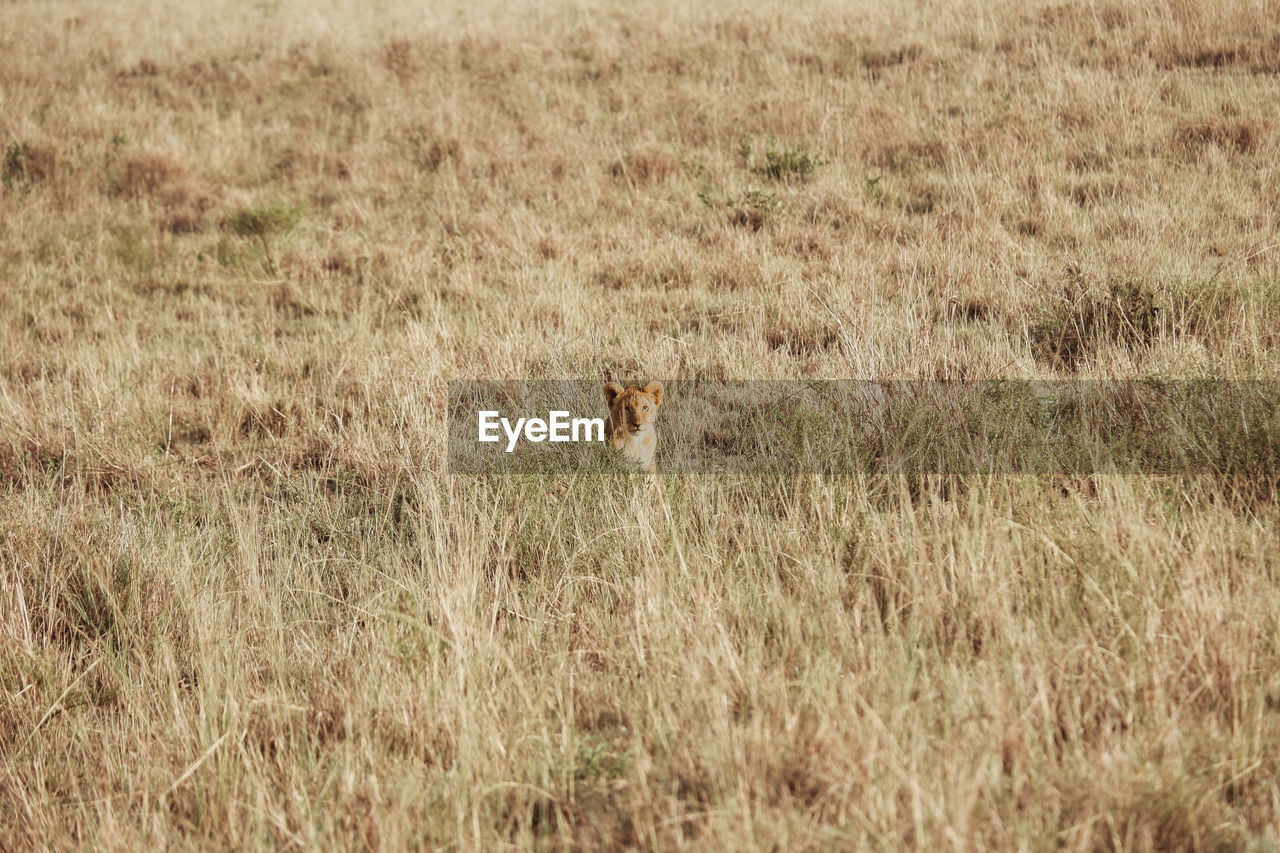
243, 248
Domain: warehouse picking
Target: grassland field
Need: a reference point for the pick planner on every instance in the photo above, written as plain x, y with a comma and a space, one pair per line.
244, 604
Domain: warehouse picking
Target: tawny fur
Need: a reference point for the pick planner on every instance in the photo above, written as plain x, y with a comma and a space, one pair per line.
631, 429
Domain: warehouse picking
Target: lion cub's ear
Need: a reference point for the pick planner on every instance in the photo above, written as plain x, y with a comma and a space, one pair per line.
611, 392
654, 390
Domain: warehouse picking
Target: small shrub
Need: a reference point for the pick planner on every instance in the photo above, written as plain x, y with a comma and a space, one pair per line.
263, 223
779, 163
752, 209
266, 220
873, 189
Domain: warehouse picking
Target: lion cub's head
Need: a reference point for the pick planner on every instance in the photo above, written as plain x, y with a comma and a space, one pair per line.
632, 412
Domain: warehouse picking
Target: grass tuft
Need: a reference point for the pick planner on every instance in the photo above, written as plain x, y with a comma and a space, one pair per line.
26, 164
1124, 314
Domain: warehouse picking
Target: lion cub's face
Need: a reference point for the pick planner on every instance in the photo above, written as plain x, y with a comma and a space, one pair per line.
633, 409
632, 412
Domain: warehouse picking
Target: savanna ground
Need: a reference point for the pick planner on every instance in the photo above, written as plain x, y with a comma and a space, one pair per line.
243, 602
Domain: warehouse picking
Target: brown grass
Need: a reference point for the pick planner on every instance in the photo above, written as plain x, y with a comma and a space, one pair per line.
244, 603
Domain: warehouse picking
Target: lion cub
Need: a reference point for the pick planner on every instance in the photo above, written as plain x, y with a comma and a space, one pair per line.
631, 415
